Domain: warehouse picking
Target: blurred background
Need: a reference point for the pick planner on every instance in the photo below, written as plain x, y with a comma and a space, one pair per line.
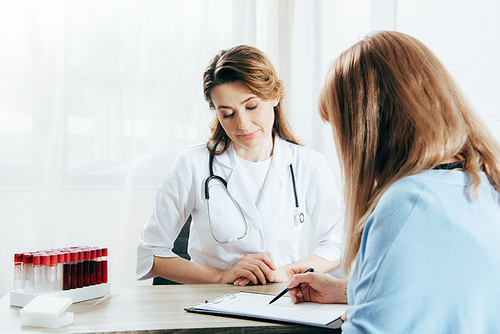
97, 98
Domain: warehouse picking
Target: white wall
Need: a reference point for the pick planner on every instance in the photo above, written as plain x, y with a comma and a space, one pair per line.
465, 35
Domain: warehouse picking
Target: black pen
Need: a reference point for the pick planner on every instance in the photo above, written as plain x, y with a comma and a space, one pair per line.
309, 270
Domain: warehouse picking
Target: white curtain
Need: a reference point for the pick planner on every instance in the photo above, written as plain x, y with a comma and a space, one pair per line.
98, 97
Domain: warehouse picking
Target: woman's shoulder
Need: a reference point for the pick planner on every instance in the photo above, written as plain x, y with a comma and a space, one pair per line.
401, 204
422, 194
407, 188
421, 189
427, 185
399, 200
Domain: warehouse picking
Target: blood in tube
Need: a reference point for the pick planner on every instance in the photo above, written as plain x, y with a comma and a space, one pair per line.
74, 270
98, 267
104, 261
67, 271
86, 267
79, 266
92, 266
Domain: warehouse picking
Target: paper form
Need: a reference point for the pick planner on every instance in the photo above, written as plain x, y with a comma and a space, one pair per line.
251, 304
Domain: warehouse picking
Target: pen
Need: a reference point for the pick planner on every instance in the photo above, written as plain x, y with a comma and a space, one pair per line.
103, 299
309, 270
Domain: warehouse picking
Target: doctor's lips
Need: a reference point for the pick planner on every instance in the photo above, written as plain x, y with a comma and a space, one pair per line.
249, 135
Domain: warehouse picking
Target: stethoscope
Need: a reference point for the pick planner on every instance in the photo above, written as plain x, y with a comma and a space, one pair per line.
298, 217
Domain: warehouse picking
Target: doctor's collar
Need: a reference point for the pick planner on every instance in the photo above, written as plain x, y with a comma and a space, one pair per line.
282, 154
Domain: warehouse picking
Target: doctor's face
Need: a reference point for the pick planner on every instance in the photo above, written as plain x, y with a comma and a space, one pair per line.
247, 119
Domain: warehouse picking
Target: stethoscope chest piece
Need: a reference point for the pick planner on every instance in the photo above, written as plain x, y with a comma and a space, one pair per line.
298, 217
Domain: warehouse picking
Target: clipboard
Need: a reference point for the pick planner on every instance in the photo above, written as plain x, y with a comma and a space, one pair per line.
256, 306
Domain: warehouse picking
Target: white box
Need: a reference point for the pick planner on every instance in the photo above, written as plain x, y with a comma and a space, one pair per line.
48, 312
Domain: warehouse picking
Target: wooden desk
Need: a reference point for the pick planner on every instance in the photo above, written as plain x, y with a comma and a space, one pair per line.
156, 309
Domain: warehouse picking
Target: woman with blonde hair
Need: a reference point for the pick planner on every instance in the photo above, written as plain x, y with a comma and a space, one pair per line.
248, 189
422, 182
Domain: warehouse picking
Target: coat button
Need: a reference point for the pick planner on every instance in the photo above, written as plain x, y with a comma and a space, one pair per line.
255, 225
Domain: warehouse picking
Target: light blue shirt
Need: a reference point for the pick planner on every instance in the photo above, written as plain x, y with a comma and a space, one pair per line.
429, 260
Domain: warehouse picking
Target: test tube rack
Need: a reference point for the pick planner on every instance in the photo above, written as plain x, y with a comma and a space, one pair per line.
79, 273
21, 299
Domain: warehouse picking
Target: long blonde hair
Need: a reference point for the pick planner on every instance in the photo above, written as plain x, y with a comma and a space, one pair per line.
253, 67
395, 111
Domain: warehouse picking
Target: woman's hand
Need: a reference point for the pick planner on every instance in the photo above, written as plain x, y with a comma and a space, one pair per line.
316, 287
253, 268
344, 316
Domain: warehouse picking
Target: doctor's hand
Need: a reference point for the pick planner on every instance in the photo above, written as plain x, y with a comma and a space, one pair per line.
253, 268
316, 287
276, 276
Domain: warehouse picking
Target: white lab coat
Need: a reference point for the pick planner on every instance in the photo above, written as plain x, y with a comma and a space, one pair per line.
271, 229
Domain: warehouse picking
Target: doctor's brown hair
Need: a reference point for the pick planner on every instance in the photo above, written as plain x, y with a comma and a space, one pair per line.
253, 67
395, 111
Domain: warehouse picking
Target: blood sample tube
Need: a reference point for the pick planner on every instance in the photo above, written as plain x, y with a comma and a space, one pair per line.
74, 269
86, 267
67, 271
59, 271
79, 266
44, 270
92, 266
26, 273
98, 266
18, 272
52, 273
104, 261
37, 274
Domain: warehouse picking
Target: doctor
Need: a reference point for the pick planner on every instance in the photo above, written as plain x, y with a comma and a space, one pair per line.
248, 189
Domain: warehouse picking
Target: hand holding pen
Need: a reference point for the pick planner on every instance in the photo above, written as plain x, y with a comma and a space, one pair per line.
282, 293
317, 287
